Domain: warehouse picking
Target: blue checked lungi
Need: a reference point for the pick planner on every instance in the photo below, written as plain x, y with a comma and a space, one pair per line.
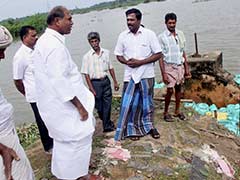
136, 114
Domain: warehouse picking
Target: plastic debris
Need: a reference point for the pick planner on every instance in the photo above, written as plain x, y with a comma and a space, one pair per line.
219, 115
159, 85
211, 156
201, 108
115, 151
228, 116
237, 79
111, 142
213, 108
187, 104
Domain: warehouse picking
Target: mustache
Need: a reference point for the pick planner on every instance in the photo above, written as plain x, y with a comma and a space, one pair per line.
132, 25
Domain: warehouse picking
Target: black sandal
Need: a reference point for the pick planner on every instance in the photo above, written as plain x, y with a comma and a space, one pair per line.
168, 118
154, 133
180, 116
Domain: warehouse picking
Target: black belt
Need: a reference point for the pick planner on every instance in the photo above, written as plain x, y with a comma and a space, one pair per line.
100, 79
174, 64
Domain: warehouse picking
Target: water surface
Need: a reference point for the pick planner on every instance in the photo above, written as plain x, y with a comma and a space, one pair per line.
216, 22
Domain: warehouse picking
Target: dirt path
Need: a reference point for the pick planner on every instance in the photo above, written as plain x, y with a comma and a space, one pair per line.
170, 157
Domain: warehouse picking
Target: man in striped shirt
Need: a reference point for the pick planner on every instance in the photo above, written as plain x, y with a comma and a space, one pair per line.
173, 64
95, 66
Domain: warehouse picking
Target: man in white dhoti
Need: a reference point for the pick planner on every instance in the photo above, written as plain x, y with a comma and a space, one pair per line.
13, 160
65, 104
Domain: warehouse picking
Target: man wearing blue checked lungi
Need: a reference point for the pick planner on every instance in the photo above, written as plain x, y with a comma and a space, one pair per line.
137, 48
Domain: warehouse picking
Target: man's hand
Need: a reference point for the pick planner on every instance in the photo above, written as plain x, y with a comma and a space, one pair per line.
188, 75
133, 63
8, 155
165, 78
83, 113
116, 86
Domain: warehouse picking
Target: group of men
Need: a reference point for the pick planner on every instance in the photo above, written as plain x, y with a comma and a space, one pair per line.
138, 48
44, 72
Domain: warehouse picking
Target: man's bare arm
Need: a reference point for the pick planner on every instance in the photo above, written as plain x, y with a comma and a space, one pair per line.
116, 85
186, 67
80, 108
89, 83
136, 62
162, 68
20, 86
121, 59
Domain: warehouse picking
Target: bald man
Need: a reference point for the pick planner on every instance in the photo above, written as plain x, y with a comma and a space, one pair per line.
64, 102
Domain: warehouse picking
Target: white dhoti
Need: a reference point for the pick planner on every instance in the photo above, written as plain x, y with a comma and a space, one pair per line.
70, 160
21, 170
58, 81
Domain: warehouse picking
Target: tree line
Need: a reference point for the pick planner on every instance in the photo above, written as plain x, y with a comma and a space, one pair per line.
39, 20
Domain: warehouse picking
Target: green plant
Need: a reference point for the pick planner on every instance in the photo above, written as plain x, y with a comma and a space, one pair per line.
28, 134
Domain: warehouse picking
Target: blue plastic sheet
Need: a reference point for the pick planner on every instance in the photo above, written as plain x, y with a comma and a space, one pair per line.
237, 79
202, 108
232, 110
159, 85
213, 108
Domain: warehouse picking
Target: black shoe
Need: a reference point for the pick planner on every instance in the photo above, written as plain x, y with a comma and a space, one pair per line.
109, 130
112, 126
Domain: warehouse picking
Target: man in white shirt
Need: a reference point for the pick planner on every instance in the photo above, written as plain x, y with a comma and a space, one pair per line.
14, 163
64, 102
24, 80
173, 64
137, 48
95, 66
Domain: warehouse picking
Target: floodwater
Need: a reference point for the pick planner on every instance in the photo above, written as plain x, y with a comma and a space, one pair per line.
216, 22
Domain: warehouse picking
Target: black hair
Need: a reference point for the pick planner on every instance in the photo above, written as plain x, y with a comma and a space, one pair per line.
171, 16
24, 30
93, 35
137, 12
56, 12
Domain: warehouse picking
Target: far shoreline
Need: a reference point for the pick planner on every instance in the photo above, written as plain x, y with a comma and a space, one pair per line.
38, 20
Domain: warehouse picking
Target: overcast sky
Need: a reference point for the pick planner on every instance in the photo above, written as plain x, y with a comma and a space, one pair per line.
21, 8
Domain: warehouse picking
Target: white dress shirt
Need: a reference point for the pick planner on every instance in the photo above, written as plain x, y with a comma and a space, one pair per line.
57, 82
23, 70
96, 66
6, 113
141, 45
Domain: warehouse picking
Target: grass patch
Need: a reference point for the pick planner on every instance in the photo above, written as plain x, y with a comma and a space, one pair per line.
28, 134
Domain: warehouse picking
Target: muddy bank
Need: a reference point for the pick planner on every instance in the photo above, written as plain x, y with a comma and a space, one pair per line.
210, 83
178, 152
207, 89
170, 157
